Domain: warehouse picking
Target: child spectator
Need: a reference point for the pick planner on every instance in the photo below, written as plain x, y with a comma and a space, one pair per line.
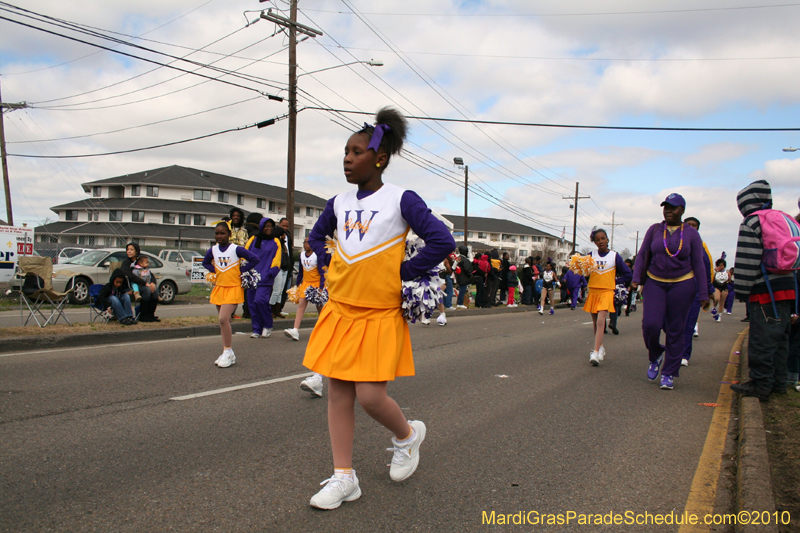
511, 284
116, 296
142, 269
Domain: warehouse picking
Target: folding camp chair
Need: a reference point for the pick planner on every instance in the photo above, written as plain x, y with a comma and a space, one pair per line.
37, 294
97, 311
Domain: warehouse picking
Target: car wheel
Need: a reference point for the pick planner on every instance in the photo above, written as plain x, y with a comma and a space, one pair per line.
80, 295
167, 292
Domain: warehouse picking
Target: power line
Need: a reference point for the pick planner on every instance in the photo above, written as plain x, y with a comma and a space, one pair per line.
573, 126
135, 127
548, 15
259, 124
142, 58
93, 53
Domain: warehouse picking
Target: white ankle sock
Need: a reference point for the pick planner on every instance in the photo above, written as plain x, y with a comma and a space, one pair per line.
344, 473
408, 439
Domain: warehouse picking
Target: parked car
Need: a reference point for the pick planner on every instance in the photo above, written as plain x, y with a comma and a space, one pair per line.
92, 267
178, 257
69, 253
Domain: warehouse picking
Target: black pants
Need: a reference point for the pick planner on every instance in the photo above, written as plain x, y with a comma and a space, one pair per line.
768, 345
492, 296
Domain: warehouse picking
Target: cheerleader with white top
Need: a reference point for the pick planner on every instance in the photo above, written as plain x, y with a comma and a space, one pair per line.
602, 282
361, 340
223, 259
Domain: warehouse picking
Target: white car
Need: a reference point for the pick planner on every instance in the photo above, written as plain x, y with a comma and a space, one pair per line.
92, 267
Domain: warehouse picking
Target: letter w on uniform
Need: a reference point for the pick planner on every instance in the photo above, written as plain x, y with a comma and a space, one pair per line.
352, 225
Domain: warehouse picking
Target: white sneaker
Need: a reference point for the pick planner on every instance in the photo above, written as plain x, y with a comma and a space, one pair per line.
684, 362
696, 333
227, 359
461, 307
601, 353
406, 458
255, 336
510, 305
594, 358
335, 491
541, 310
266, 332
292, 333
728, 312
313, 385
442, 320
220, 358
425, 321
284, 315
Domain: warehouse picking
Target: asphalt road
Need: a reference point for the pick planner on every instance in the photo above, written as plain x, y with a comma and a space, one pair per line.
517, 421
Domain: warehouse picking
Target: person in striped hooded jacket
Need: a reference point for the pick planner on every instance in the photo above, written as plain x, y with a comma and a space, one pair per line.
767, 348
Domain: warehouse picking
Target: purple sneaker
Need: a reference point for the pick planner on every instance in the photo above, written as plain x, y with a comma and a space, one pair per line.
552, 311
667, 382
652, 370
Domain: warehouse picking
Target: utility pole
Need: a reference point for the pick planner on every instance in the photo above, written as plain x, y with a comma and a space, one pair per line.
636, 248
4, 156
611, 242
466, 194
294, 27
575, 218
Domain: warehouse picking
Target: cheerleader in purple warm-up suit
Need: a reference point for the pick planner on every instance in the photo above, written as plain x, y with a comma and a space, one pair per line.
575, 283
671, 258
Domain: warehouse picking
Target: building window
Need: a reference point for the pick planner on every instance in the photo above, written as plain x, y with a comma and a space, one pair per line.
199, 220
319, 213
523, 253
169, 218
297, 210
261, 203
308, 232
48, 238
523, 238
240, 199
136, 190
481, 235
115, 215
296, 233
110, 241
71, 214
184, 219
137, 216
202, 194
92, 216
86, 240
309, 211
152, 191
97, 192
223, 197
273, 208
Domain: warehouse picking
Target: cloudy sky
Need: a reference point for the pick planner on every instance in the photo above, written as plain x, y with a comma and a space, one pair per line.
677, 64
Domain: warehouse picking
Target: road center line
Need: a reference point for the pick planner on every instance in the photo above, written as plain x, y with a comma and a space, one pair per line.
240, 387
703, 492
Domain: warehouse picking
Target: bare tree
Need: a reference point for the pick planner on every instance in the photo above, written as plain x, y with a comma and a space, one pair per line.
585, 250
626, 254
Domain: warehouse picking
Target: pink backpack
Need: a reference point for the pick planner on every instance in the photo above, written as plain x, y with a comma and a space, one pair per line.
780, 236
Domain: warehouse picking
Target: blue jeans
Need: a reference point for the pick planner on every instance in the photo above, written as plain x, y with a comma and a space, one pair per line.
462, 291
121, 306
527, 294
448, 292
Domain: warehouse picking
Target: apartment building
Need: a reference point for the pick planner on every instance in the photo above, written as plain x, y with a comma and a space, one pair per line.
167, 207
518, 240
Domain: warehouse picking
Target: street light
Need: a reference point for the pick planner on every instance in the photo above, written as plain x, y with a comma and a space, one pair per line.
459, 162
791, 149
371, 63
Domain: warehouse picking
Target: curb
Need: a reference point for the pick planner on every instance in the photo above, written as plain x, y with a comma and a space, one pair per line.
753, 481
45, 342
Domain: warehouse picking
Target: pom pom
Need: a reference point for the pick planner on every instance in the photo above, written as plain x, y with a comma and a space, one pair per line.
330, 244
316, 296
211, 277
620, 294
250, 279
582, 264
421, 295
293, 294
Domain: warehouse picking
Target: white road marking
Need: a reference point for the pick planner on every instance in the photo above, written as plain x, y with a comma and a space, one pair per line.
240, 387
584, 323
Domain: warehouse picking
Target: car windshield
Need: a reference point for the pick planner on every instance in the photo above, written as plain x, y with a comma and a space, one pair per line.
187, 256
86, 258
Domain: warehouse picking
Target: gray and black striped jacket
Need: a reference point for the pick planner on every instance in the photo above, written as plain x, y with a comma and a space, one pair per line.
748, 277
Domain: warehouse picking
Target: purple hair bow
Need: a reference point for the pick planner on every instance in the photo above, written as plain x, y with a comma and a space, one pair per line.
377, 135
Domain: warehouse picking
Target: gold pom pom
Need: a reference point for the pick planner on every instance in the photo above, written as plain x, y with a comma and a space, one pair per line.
293, 294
